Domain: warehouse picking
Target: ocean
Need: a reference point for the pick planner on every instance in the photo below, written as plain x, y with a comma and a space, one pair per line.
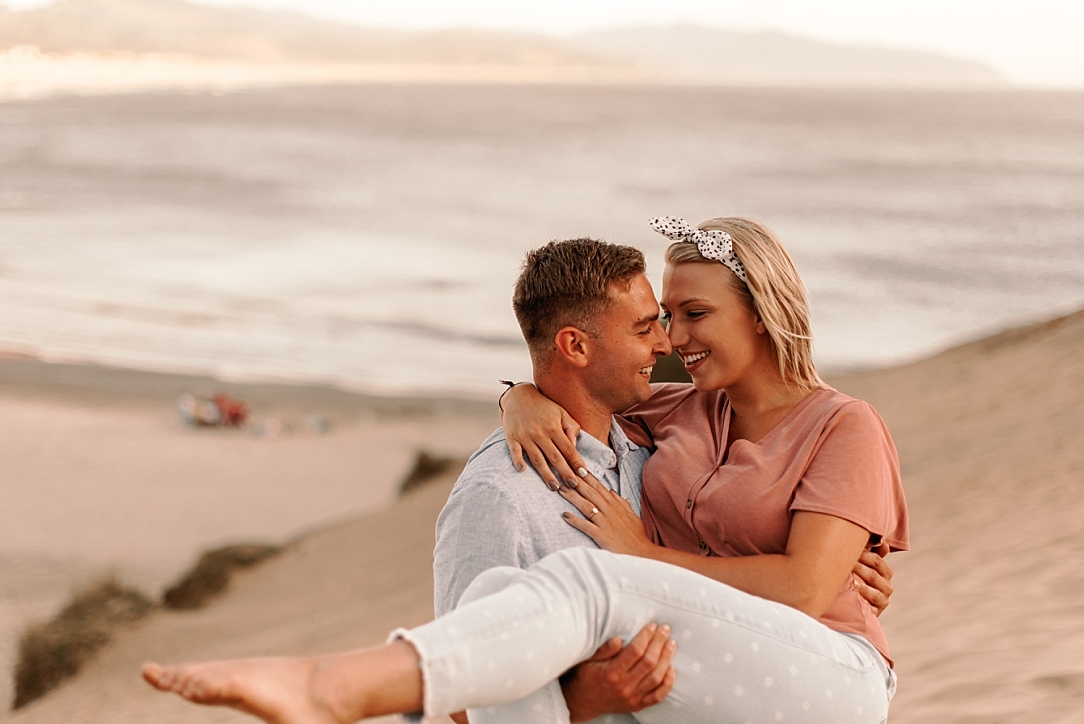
369, 236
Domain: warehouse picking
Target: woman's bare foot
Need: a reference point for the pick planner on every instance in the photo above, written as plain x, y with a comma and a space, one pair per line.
277, 690
330, 689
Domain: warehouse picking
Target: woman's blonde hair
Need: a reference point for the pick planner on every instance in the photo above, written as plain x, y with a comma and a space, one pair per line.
775, 291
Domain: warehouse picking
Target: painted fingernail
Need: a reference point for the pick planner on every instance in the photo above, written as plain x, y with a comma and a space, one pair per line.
566, 516
563, 488
582, 472
552, 485
520, 467
572, 483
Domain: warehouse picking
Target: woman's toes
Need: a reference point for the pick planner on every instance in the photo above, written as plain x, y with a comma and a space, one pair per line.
152, 673
194, 690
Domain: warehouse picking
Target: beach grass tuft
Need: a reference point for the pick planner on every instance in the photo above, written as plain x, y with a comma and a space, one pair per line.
212, 572
428, 466
55, 650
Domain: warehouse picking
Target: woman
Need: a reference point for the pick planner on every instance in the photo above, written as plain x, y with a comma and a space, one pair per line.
765, 488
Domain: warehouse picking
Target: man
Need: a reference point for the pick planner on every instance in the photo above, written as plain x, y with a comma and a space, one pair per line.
591, 322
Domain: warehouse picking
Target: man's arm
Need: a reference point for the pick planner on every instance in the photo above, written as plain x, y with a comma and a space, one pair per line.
478, 529
471, 539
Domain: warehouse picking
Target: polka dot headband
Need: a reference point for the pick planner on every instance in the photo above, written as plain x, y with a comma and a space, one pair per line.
713, 244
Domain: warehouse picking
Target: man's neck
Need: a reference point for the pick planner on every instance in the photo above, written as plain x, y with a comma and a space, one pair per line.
593, 417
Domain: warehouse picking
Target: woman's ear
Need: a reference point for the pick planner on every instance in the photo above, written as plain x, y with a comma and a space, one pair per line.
573, 345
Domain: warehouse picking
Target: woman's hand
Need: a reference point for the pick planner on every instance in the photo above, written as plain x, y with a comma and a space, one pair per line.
607, 518
540, 428
873, 578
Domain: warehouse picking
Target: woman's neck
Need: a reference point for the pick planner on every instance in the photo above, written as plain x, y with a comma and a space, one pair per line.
761, 403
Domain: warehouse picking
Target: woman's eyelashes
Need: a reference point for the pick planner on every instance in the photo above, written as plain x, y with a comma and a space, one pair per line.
667, 317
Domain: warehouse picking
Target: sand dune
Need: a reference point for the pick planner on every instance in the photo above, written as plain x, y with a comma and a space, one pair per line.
337, 588
985, 625
99, 474
987, 622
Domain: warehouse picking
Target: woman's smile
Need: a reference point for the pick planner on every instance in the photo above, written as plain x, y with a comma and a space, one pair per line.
692, 360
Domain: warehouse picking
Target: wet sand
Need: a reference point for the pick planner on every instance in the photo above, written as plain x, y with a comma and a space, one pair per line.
985, 624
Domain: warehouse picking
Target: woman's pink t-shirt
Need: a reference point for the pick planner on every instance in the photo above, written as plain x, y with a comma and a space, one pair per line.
831, 454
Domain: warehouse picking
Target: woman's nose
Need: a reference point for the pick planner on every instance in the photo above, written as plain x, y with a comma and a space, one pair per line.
676, 334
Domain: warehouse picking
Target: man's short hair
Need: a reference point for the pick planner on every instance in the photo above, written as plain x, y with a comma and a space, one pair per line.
567, 284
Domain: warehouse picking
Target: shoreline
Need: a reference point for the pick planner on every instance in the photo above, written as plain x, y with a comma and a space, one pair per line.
29, 377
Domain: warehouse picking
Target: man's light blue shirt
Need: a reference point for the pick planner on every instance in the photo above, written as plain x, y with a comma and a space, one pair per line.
498, 516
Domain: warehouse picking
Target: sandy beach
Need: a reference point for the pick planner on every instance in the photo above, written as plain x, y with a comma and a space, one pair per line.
984, 625
100, 475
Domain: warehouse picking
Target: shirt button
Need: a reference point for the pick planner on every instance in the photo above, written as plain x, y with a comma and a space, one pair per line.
613, 460
688, 504
703, 545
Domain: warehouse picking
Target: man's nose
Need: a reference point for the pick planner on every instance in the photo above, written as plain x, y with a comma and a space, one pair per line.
662, 341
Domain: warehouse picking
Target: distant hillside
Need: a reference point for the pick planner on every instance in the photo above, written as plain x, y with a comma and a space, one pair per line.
677, 54
704, 54
175, 26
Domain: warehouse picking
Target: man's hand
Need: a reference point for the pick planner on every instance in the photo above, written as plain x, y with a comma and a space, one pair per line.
873, 578
620, 680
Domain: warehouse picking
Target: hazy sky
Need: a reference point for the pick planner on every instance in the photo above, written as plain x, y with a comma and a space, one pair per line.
1032, 41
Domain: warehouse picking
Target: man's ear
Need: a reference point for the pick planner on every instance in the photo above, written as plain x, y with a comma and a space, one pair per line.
574, 345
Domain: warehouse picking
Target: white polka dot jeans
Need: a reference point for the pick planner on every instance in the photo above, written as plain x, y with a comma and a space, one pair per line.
740, 658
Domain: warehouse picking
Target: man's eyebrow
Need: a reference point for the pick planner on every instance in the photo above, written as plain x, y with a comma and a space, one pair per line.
646, 319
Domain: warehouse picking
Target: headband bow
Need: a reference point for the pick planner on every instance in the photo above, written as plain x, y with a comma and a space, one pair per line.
713, 244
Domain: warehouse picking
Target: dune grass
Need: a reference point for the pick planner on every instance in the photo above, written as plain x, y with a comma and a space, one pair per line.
211, 574
54, 650
428, 466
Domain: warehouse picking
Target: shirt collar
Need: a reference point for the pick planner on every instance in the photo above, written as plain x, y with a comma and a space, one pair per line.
619, 440
601, 457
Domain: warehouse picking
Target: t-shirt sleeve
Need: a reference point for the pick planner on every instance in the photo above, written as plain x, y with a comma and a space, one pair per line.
639, 420
478, 529
855, 475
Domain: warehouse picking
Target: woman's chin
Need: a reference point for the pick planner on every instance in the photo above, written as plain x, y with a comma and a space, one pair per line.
700, 383
704, 382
